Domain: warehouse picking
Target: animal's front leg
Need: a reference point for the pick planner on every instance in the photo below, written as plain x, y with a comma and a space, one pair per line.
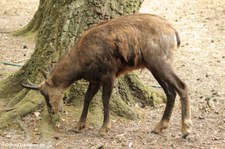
106, 93
92, 90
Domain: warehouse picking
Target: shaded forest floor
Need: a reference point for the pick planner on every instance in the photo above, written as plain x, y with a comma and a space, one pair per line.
200, 62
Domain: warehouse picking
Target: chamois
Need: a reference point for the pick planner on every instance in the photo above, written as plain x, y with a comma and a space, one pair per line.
115, 47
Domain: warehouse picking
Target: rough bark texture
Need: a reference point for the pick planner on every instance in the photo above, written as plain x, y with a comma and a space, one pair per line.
59, 25
34, 25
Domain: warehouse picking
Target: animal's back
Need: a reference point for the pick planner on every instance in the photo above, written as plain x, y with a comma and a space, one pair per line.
121, 43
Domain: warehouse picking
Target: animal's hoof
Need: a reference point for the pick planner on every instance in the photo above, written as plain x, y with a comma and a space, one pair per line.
159, 127
184, 136
74, 130
186, 133
104, 130
186, 128
80, 126
155, 132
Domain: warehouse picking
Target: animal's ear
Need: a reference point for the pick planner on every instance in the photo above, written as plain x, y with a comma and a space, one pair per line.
29, 85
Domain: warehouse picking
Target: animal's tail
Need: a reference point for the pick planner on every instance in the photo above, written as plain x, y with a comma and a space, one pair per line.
178, 38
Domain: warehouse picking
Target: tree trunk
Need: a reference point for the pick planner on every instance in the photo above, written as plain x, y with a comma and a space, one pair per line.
59, 25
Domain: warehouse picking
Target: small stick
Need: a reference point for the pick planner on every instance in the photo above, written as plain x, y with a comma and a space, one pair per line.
11, 64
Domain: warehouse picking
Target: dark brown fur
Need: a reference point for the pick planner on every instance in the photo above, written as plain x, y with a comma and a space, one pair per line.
115, 47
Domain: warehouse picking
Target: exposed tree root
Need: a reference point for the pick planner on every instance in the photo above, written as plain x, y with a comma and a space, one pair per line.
47, 124
23, 128
29, 103
33, 26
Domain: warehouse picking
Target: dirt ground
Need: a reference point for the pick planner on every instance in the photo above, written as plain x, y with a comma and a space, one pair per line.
199, 62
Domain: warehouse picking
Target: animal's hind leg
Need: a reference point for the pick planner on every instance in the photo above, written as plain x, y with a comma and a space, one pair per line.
171, 95
164, 71
181, 89
92, 90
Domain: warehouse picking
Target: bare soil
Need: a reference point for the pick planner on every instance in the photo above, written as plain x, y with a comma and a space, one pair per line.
199, 62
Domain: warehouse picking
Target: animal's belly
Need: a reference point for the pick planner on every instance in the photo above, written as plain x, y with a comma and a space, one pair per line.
128, 69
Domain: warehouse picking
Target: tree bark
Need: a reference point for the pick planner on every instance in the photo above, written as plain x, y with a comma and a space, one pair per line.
59, 25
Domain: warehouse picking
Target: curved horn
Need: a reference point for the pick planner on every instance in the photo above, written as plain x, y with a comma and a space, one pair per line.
29, 85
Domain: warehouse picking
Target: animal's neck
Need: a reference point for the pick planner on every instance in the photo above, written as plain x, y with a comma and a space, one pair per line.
65, 73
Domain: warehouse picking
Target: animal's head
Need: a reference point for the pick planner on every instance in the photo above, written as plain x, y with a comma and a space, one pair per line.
53, 96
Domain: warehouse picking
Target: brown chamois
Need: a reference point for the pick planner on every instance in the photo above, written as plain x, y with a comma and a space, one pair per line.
112, 48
